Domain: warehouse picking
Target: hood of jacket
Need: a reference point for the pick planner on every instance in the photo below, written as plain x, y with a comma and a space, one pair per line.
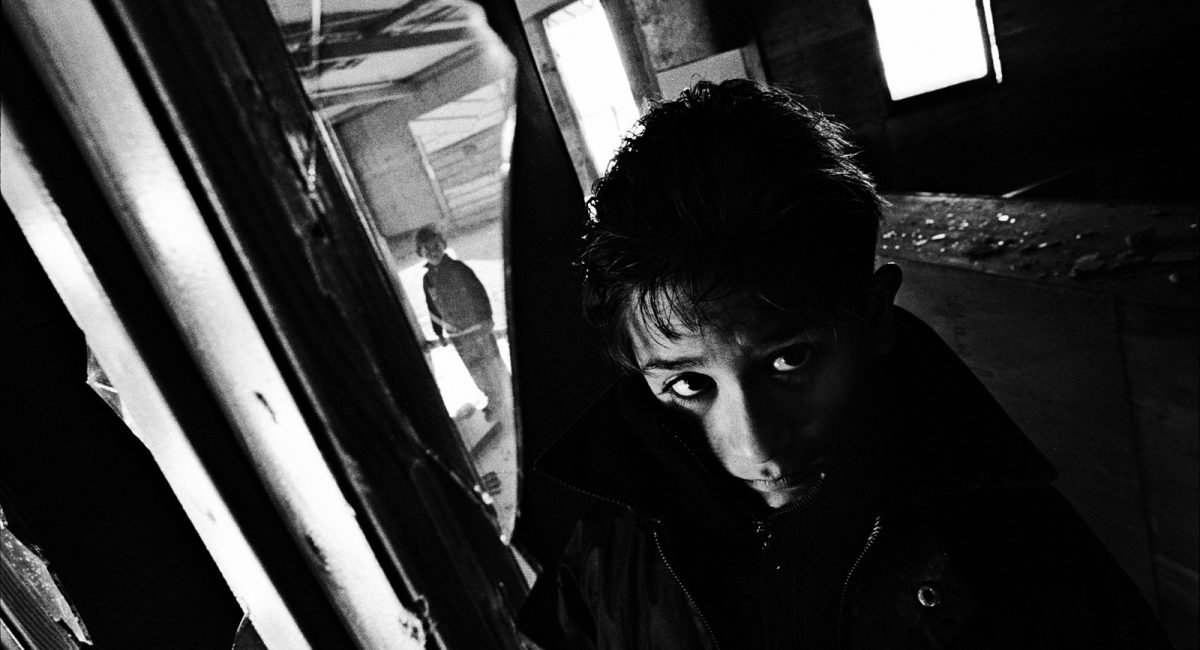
941, 433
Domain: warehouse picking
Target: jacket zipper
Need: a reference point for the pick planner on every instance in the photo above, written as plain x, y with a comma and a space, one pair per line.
876, 529
761, 525
687, 594
762, 529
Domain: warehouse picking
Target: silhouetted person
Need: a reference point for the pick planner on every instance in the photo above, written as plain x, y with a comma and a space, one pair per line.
461, 312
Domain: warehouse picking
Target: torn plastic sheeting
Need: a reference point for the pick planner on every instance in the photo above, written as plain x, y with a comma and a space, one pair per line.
100, 383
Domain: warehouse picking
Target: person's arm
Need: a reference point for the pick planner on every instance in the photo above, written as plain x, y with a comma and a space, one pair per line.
476, 293
435, 317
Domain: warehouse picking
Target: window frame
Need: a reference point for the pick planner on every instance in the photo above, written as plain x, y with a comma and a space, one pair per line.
241, 141
963, 89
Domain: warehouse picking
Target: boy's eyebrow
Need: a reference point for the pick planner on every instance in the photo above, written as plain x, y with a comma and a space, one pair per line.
768, 344
670, 364
812, 334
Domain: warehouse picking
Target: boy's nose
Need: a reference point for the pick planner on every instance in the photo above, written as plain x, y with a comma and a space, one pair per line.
747, 428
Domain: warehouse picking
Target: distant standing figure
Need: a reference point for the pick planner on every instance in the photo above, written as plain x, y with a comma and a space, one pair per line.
461, 312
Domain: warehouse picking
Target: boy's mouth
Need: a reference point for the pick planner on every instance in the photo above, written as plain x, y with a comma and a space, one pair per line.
801, 478
783, 482
789, 487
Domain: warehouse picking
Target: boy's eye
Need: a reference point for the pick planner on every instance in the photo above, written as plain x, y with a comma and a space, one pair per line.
792, 359
689, 385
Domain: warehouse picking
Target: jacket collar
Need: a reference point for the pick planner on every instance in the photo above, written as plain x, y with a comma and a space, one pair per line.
944, 435
442, 264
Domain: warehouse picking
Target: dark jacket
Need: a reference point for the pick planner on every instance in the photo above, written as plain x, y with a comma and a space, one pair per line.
949, 536
455, 297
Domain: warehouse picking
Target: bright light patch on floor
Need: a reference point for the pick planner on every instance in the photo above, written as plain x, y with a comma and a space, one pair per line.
930, 44
591, 70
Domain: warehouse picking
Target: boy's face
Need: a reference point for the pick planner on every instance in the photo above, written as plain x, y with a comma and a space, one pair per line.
432, 251
771, 396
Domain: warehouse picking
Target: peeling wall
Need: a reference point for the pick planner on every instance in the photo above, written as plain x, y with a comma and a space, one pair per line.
681, 32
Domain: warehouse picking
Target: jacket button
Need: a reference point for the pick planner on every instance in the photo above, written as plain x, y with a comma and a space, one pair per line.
929, 596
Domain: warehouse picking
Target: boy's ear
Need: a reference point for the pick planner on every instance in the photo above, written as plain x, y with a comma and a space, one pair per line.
881, 314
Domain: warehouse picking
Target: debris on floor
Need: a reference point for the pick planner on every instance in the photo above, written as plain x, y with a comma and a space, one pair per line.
1127, 247
1089, 264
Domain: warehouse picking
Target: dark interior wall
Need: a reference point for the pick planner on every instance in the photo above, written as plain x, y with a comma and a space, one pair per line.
1103, 85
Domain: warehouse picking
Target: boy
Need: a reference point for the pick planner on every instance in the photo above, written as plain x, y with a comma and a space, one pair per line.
461, 312
791, 460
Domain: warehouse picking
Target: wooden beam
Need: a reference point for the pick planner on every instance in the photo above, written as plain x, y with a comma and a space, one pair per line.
352, 49
359, 95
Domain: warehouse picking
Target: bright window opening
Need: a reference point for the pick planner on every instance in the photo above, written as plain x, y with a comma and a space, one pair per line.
932, 44
590, 66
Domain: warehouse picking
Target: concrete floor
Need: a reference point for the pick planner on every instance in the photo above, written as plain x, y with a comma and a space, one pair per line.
1091, 344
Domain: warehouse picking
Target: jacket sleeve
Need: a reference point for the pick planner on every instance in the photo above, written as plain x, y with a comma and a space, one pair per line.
476, 294
435, 316
555, 615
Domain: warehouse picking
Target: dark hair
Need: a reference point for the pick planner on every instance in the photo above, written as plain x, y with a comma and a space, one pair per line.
732, 188
427, 235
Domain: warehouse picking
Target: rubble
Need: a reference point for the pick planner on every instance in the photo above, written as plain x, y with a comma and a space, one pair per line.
1038, 246
983, 248
1112, 244
1086, 265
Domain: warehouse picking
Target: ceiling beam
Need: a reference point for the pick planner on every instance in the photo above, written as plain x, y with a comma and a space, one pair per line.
365, 22
389, 18
368, 94
433, 87
352, 49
